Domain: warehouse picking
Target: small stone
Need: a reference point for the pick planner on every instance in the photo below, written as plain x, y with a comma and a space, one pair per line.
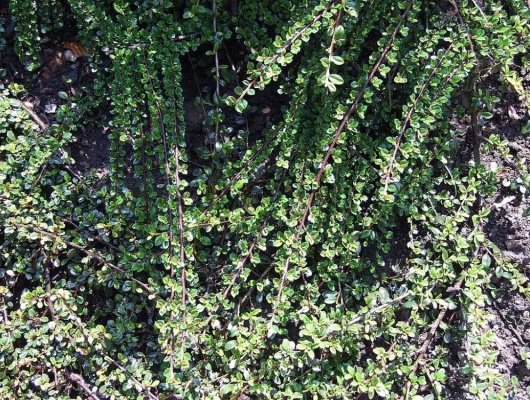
69, 56
72, 77
512, 113
85, 143
83, 165
50, 108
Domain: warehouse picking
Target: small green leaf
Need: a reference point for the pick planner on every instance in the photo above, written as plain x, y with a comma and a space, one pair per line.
526, 128
337, 60
383, 295
486, 260
340, 33
241, 106
118, 9
230, 345
336, 79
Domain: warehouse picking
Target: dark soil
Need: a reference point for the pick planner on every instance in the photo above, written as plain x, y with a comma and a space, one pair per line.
507, 228
511, 325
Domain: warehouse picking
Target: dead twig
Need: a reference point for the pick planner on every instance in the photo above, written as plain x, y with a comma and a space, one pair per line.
4, 316
43, 125
79, 381
48, 279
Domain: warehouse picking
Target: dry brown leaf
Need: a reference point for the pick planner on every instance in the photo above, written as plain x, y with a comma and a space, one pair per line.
77, 49
502, 172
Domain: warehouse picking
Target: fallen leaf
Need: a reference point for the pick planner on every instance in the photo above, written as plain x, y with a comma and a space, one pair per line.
77, 49
501, 172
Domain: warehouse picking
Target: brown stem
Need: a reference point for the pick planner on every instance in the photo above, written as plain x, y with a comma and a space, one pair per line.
283, 49
48, 279
106, 356
254, 243
79, 381
96, 238
428, 340
341, 127
260, 150
86, 252
4, 315
43, 125
409, 116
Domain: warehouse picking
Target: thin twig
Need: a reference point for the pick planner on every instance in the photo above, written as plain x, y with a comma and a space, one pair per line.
341, 127
136, 381
43, 125
79, 381
171, 218
106, 356
254, 243
4, 315
217, 73
87, 253
281, 51
236, 177
178, 38
37, 180
420, 354
48, 279
409, 116
96, 238
477, 136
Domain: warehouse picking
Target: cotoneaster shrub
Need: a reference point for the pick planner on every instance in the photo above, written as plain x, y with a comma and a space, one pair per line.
341, 255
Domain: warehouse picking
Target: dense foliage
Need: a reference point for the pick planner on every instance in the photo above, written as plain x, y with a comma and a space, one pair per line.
340, 253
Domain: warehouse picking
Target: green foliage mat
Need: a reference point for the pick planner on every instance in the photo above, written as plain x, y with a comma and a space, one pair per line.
341, 254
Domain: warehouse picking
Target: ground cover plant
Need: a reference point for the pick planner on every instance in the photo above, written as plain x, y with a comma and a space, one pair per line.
260, 199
